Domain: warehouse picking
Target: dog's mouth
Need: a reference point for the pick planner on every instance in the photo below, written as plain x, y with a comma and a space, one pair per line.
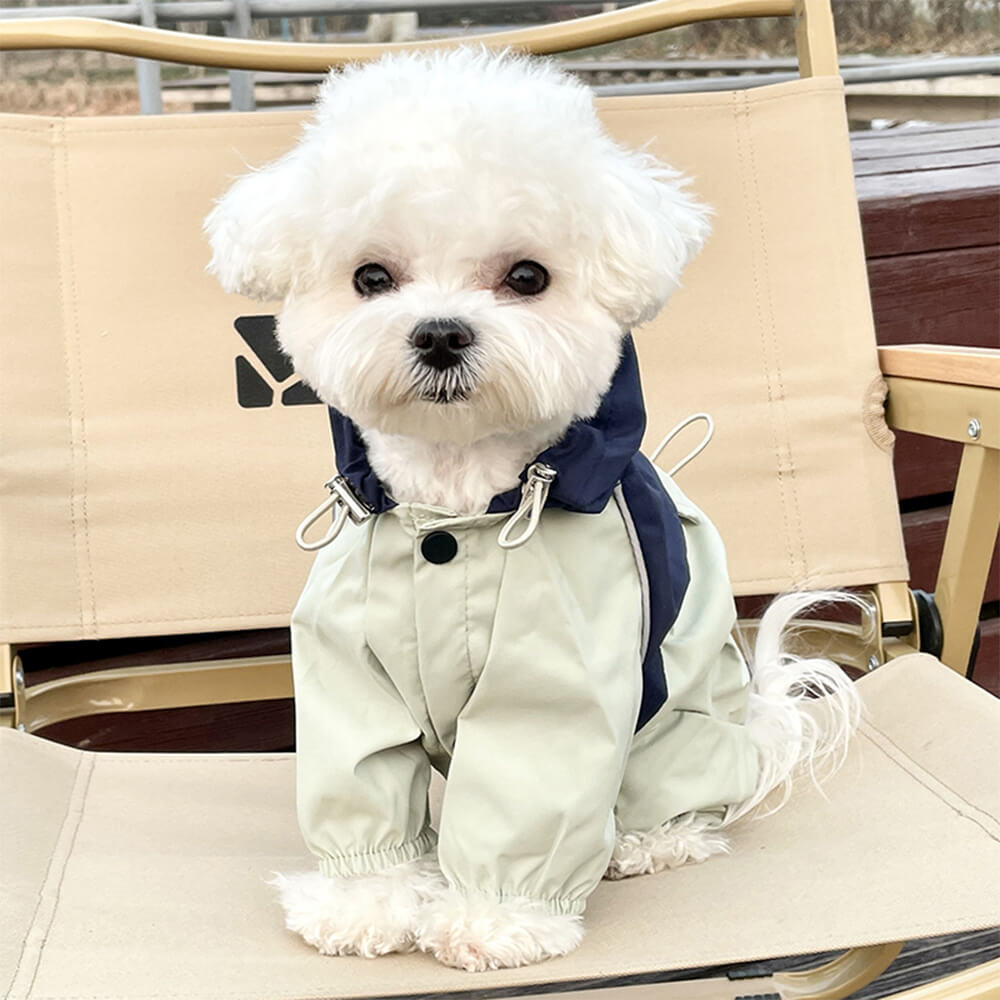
453, 385
444, 395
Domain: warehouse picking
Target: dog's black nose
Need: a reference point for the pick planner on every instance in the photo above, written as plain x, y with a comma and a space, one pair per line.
440, 342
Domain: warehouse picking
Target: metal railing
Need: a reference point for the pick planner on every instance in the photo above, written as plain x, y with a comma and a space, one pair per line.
180, 11
237, 17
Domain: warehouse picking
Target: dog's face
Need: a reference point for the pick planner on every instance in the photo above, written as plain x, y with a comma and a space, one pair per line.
458, 245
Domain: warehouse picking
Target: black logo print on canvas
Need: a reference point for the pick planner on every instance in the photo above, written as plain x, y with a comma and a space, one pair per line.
270, 371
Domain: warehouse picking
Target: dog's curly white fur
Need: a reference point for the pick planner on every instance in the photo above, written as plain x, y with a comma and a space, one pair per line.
477, 933
445, 170
369, 915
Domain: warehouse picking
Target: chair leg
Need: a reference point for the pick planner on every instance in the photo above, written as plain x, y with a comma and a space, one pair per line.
8, 655
968, 549
841, 977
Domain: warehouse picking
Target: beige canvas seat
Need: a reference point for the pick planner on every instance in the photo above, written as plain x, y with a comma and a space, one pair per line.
155, 457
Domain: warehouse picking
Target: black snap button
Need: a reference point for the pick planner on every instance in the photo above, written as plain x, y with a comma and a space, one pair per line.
439, 547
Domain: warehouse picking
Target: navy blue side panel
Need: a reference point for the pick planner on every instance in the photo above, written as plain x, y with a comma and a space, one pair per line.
661, 539
353, 464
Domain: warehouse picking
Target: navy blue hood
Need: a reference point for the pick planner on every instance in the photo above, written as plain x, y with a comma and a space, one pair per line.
590, 459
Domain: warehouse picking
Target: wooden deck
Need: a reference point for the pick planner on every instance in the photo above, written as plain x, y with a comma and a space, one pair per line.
930, 210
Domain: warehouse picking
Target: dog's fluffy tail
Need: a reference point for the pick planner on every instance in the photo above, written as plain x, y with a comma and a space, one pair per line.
802, 710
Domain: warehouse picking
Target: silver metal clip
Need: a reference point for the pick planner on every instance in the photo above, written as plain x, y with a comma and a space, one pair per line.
534, 493
347, 504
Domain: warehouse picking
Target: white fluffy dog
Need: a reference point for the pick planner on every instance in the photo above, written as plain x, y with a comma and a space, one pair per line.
461, 251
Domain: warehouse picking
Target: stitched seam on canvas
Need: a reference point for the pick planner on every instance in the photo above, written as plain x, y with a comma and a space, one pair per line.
41, 893
987, 822
58, 185
792, 494
741, 117
59, 861
85, 463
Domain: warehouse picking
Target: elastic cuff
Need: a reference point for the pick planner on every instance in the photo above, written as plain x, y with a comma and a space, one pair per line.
555, 905
373, 862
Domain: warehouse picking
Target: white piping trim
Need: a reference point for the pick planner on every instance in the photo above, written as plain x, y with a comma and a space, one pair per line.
633, 537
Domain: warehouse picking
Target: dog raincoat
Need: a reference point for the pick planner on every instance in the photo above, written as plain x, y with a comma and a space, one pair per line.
581, 681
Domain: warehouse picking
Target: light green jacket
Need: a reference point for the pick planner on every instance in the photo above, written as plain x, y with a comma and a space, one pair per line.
517, 674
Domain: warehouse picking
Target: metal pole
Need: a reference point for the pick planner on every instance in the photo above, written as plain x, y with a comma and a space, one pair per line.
241, 97
147, 71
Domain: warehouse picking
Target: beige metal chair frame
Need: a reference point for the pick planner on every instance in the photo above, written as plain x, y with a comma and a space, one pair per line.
953, 394
815, 40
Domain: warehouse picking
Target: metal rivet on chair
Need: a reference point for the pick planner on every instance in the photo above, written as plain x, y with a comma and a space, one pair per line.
975, 429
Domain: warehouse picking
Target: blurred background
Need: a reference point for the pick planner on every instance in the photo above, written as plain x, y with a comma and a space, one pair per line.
939, 45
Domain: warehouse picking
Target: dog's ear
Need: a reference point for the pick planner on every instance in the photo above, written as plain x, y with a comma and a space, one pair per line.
257, 229
652, 228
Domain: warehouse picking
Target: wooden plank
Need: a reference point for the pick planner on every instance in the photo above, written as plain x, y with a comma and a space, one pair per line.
919, 141
877, 135
943, 363
929, 189
936, 160
947, 183
925, 466
927, 222
923, 533
948, 297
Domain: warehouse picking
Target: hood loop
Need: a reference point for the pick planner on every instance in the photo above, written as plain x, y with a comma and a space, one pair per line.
347, 504
534, 493
696, 450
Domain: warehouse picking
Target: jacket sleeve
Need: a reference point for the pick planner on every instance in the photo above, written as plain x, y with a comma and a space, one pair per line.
542, 742
362, 775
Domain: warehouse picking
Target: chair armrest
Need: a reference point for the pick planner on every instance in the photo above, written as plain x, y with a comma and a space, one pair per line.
939, 363
954, 393
944, 392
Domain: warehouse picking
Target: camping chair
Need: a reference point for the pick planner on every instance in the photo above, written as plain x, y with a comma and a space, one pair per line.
140, 498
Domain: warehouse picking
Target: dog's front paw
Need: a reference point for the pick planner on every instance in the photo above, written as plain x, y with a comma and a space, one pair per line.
369, 915
688, 839
480, 932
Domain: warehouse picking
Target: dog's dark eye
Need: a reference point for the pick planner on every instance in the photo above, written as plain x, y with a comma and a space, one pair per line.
527, 278
372, 279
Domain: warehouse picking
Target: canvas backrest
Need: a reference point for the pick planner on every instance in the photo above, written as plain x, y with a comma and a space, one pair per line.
154, 460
